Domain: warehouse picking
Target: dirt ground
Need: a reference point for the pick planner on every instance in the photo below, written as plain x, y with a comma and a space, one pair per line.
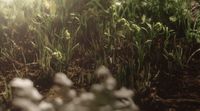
169, 92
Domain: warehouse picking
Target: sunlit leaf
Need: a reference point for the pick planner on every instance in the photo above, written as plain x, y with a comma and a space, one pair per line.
173, 19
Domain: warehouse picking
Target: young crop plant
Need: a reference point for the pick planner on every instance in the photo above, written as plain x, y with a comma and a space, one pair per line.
107, 34
121, 37
53, 39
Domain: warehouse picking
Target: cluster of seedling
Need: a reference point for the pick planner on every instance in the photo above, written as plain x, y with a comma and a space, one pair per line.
102, 97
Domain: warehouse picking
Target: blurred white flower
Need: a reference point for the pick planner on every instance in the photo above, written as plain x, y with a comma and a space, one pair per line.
23, 88
110, 83
34, 95
102, 71
69, 107
21, 83
69, 95
106, 108
97, 88
87, 98
25, 105
123, 93
57, 102
45, 106
62, 80
126, 103
103, 96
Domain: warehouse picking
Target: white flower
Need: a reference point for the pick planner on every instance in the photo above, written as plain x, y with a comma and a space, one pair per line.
21, 83
71, 94
34, 95
102, 71
123, 93
97, 88
87, 98
57, 102
110, 83
25, 105
45, 106
126, 103
63, 80
23, 88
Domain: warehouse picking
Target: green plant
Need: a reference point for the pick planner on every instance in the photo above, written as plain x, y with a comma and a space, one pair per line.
7, 93
53, 40
135, 38
114, 32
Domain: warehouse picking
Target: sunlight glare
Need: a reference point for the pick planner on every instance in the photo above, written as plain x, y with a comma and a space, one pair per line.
7, 1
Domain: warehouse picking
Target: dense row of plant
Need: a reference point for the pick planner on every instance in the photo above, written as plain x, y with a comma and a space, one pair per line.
135, 38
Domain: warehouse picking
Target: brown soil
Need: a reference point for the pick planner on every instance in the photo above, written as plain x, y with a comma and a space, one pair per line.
169, 92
